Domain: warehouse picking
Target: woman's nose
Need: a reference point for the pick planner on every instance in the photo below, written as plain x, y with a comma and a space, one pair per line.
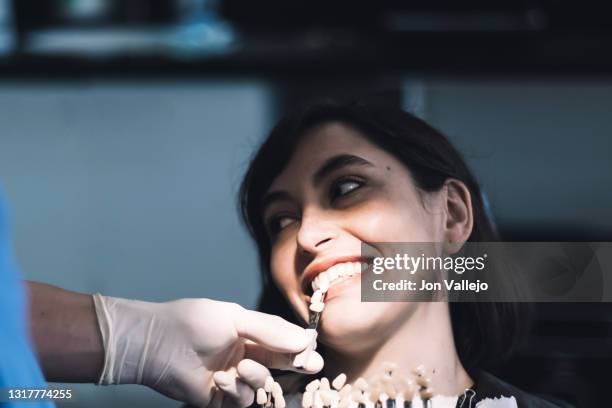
315, 233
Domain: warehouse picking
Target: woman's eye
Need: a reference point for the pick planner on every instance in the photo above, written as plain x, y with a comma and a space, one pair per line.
279, 223
344, 187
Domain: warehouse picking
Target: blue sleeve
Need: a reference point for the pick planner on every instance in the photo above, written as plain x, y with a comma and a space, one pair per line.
18, 366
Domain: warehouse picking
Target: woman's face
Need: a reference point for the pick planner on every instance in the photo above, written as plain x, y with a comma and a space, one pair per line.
338, 191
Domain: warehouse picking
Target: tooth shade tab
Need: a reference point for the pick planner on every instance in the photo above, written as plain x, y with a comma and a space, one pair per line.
307, 400
315, 283
357, 395
344, 402
316, 297
318, 403
317, 307
374, 394
361, 384
427, 393
277, 390
262, 397
339, 381
313, 385
268, 384
390, 390
324, 384
326, 397
346, 390
279, 402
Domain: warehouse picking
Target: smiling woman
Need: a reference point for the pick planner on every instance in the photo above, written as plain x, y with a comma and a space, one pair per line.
332, 177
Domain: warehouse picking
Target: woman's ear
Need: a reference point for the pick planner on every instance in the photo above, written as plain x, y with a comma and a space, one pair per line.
459, 219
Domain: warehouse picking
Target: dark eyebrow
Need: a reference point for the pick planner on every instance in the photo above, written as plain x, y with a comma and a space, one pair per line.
273, 196
336, 163
332, 164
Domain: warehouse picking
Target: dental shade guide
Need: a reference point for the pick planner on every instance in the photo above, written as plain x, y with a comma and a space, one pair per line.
301, 359
381, 391
320, 285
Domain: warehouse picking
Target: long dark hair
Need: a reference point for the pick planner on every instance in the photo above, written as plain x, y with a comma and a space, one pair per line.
483, 332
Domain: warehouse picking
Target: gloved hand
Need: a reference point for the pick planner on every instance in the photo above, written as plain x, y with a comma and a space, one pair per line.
204, 352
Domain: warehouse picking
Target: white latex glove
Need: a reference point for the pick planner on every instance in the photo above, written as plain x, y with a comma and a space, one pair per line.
204, 352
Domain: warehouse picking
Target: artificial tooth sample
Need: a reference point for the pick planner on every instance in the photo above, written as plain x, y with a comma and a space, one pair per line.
307, 399
262, 397
426, 395
361, 384
344, 402
315, 284
408, 392
339, 381
268, 384
391, 394
326, 397
324, 385
380, 391
375, 396
317, 297
277, 391
313, 385
280, 402
317, 307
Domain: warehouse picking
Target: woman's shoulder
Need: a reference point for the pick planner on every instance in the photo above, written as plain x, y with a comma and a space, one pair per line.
489, 386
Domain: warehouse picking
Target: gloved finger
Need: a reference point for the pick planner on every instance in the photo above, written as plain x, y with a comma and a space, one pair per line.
234, 388
253, 373
270, 331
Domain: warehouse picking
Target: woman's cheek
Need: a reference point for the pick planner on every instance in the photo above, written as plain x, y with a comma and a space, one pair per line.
284, 276
383, 222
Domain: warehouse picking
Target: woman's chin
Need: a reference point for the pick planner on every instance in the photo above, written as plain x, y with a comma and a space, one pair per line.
347, 322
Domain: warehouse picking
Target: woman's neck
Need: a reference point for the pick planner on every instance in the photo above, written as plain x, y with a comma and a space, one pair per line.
425, 338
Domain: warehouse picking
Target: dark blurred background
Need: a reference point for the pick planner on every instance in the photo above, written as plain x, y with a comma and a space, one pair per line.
126, 126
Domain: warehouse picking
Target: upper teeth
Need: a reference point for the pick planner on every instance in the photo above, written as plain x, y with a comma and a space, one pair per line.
335, 274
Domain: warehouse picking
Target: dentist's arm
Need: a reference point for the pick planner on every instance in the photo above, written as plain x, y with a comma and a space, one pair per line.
201, 351
65, 333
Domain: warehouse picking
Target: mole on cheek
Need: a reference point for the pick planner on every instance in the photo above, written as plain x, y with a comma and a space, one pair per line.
388, 168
